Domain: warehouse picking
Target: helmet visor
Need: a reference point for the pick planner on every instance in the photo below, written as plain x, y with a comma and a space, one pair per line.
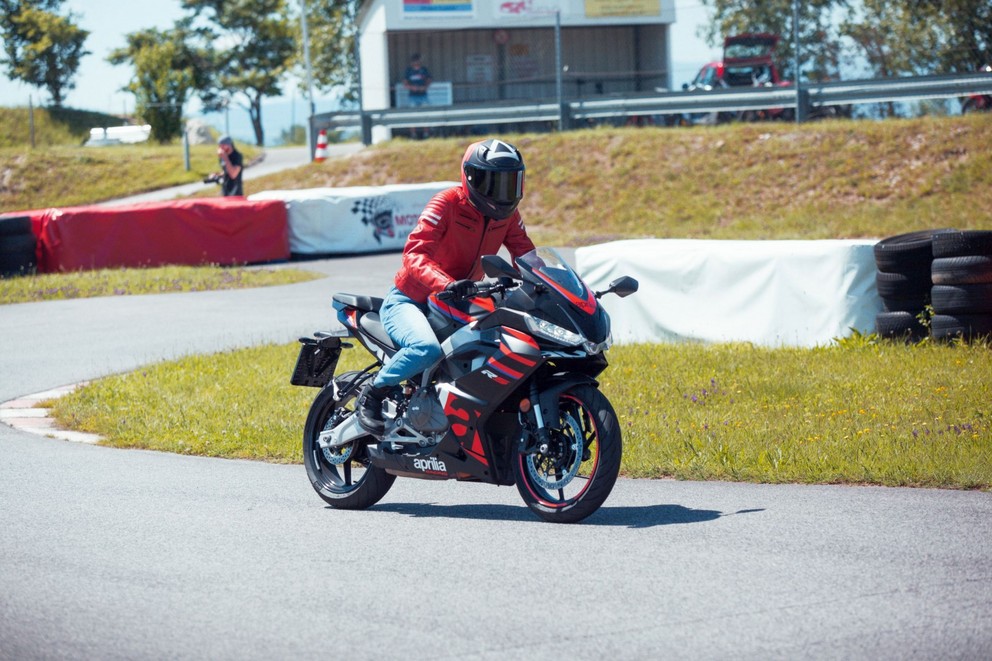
506, 187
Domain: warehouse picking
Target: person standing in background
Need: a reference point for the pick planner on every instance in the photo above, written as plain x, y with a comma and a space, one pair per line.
231, 165
417, 80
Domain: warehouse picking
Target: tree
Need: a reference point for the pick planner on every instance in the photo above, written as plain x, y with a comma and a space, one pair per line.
332, 29
891, 38
820, 45
963, 31
262, 45
42, 48
13, 40
168, 68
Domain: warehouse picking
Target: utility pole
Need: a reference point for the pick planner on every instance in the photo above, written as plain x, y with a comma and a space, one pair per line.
309, 68
800, 99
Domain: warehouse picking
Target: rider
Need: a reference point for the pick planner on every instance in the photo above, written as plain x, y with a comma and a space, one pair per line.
456, 228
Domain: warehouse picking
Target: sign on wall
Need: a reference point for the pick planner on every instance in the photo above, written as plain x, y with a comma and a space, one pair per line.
480, 68
608, 8
528, 8
437, 8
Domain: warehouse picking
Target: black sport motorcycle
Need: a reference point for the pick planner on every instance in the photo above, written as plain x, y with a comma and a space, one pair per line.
513, 400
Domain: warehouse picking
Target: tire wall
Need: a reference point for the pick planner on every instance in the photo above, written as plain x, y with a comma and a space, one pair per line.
961, 295
18, 246
948, 270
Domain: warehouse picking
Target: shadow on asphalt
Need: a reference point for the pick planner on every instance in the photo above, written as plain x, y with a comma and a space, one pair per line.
645, 516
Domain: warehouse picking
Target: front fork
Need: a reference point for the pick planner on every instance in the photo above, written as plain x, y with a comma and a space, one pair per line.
535, 438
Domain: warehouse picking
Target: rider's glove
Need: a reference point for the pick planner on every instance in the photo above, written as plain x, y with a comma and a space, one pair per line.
461, 288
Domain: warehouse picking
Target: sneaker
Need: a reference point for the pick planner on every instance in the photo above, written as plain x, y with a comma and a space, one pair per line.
369, 409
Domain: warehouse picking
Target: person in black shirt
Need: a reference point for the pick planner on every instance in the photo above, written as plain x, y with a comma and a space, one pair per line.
231, 165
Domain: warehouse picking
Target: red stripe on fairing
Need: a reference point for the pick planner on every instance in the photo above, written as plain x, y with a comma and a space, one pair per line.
484, 303
450, 311
510, 372
520, 335
476, 451
587, 305
516, 356
352, 315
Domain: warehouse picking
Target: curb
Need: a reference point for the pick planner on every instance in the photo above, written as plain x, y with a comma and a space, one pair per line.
25, 414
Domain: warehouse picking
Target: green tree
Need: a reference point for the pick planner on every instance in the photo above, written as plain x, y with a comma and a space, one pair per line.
169, 67
332, 28
963, 31
891, 38
820, 44
42, 48
261, 44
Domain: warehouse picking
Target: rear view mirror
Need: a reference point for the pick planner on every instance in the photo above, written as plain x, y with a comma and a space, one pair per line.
622, 287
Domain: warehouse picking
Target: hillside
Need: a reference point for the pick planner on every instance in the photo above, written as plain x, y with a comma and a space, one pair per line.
52, 126
839, 179
59, 171
755, 181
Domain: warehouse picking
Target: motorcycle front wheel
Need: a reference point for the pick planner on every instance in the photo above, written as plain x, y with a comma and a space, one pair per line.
576, 474
343, 476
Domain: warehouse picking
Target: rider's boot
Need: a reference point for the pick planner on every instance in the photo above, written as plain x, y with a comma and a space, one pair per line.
369, 409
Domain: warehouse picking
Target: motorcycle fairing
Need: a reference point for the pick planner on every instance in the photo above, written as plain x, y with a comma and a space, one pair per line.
483, 370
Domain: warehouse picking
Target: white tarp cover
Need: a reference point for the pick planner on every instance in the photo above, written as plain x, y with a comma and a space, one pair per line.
769, 293
355, 219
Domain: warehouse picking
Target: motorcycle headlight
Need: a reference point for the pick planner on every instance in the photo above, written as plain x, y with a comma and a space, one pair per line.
554, 332
598, 347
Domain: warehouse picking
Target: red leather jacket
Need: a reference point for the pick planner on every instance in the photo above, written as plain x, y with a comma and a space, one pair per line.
450, 238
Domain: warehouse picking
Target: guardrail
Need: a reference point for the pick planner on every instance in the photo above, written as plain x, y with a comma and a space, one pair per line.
810, 98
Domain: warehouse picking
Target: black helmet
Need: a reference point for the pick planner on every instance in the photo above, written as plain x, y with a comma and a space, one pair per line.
493, 177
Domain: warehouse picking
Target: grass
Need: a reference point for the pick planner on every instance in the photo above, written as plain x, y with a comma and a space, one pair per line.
60, 172
828, 180
126, 282
878, 413
837, 179
866, 412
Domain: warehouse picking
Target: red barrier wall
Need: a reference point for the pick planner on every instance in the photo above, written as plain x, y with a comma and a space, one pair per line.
193, 231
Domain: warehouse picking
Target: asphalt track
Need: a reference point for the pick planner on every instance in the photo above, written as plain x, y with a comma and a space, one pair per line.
114, 554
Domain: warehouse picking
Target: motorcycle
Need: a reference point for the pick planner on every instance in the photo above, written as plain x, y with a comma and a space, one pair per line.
978, 102
512, 401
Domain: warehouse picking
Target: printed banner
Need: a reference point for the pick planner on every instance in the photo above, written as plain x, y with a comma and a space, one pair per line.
437, 8
528, 8
609, 8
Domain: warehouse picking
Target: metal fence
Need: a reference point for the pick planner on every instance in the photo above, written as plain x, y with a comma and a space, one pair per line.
806, 101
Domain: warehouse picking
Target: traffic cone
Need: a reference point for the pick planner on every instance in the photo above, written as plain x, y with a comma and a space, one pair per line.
320, 154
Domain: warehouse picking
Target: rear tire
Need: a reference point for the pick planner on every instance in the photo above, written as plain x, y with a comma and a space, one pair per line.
344, 479
577, 474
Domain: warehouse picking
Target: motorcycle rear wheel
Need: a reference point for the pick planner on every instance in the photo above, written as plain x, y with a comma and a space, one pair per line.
577, 473
344, 478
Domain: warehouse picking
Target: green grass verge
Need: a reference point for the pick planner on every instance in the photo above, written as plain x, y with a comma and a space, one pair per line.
874, 413
125, 282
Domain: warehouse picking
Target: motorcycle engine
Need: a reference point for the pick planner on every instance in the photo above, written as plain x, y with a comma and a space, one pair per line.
424, 412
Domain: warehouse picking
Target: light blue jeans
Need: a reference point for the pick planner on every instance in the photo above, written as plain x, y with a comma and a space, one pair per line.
405, 321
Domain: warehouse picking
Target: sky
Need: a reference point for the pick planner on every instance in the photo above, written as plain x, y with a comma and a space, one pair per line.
98, 83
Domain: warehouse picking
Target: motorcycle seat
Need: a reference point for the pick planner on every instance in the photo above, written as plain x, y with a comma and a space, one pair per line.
372, 325
364, 303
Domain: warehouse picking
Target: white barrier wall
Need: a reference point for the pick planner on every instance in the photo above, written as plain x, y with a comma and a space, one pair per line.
769, 293
357, 219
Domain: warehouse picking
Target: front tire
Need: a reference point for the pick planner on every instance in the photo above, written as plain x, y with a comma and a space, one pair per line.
342, 477
577, 473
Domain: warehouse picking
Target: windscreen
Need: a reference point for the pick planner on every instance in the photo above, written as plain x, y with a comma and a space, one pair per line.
549, 266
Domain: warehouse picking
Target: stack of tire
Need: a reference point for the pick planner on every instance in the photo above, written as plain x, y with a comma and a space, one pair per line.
903, 278
962, 285
17, 247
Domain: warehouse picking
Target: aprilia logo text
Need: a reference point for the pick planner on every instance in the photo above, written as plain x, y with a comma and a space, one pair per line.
431, 464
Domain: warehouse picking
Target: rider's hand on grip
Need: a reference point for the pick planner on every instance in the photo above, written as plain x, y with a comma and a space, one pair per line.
462, 288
